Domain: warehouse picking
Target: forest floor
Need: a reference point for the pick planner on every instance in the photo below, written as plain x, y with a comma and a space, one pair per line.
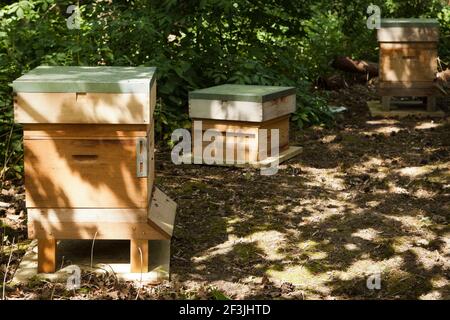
367, 198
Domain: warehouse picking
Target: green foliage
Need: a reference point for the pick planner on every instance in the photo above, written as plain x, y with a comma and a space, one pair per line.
311, 109
168, 121
195, 44
444, 44
218, 295
11, 151
324, 35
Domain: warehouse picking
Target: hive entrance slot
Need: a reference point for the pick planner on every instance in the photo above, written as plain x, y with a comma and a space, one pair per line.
85, 157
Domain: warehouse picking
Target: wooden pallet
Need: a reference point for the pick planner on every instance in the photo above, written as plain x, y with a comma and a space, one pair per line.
403, 110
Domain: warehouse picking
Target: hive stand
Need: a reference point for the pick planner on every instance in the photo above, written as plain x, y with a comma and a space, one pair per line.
408, 60
89, 159
386, 101
239, 113
412, 109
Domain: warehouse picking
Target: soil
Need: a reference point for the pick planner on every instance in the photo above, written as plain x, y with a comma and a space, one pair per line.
366, 203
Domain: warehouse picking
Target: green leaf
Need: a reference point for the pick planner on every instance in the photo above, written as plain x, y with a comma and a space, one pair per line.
219, 295
19, 13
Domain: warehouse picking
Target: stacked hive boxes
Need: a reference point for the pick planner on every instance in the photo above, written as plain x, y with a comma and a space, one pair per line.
408, 59
89, 158
239, 112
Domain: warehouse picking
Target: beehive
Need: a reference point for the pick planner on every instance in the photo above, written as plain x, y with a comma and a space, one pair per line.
239, 112
408, 59
89, 158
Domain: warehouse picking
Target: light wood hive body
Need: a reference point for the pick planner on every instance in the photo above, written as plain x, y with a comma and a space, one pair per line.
89, 158
243, 110
408, 58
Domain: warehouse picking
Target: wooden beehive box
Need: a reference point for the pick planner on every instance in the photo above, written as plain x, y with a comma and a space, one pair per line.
408, 58
239, 112
89, 157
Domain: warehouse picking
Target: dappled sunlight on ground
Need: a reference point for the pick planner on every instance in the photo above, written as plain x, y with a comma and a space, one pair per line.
427, 125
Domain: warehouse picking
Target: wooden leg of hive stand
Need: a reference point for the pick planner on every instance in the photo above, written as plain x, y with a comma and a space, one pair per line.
46, 255
431, 103
386, 103
139, 256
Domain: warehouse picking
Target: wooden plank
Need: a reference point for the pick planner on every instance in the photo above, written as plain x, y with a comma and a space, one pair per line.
232, 146
242, 110
83, 131
247, 140
409, 22
284, 155
162, 212
279, 107
248, 137
98, 229
139, 256
100, 79
408, 34
153, 97
240, 92
376, 110
408, 62
151, 161
225, 110
282, 124
386, 102
46, 255
49, 216
83, 173
405, 84
407, 88
431, 104
406, 92
232, 124
112, 108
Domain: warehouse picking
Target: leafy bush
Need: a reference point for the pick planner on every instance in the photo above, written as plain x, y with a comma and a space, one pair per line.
11, 151
444, 44
324, 34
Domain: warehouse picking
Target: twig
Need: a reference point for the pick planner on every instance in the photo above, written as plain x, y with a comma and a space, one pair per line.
54, 284
53, 291
62, 262
48, 10
6, 270
92, 248
112, 270
92, 255
140, 281
1, 235
439, 63
100, 268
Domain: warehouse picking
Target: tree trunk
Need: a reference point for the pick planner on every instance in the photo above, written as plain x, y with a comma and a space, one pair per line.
355, 66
